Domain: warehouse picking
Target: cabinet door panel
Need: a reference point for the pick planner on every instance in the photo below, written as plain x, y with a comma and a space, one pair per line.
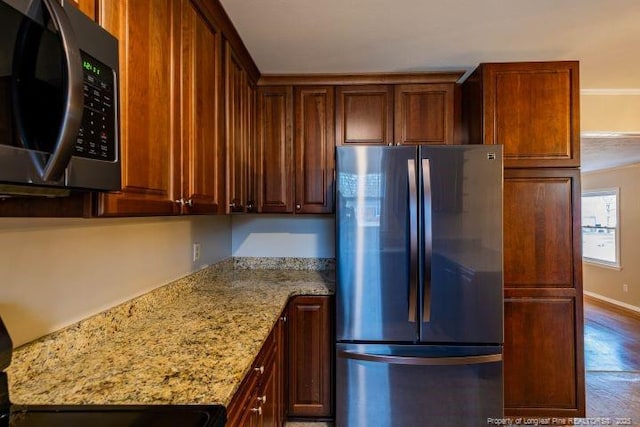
314, 149
275, 149
202, 148
541, 228
310, 357
239, 128
424, 114
540, 360
148, 111
533, 109
364, 115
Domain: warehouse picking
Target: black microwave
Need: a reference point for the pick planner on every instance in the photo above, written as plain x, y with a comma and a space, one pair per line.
58, 101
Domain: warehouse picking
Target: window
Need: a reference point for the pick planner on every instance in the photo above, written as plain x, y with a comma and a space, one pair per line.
600, 232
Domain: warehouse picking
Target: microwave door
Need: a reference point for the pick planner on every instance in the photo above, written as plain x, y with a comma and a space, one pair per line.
47, 91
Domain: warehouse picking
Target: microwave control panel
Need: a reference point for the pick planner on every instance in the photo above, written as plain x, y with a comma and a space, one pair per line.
97, 135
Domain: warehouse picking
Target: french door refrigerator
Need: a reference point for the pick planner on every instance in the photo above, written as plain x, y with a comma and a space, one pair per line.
419, 311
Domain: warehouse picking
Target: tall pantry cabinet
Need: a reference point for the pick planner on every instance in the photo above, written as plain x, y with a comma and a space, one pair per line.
533, 110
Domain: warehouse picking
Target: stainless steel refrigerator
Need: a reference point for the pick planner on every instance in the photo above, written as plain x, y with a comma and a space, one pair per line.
419, 311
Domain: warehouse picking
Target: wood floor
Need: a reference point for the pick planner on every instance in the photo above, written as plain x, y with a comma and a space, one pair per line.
612, 362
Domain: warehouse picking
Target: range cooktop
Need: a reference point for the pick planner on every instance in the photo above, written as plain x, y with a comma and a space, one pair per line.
115, 416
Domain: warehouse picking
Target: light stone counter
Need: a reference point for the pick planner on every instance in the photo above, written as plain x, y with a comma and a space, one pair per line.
189, 342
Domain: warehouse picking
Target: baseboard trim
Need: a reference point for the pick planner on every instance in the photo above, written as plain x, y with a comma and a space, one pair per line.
615, 305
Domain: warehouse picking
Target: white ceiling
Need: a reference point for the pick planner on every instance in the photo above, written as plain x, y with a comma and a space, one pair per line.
344, 36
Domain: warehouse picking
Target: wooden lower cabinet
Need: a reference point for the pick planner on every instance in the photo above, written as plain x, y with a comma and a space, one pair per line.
298, 355
310, 367
543, 361
258, 401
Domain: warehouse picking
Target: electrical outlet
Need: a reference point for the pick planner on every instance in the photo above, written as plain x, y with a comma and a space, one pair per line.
196, 251
625, 287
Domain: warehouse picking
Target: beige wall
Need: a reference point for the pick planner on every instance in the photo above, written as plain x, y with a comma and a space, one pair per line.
54, 272
605, 281
610, 113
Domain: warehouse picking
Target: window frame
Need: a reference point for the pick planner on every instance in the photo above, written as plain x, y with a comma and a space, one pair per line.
617, 265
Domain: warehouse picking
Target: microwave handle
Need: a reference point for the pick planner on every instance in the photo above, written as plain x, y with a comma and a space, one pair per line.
74, 97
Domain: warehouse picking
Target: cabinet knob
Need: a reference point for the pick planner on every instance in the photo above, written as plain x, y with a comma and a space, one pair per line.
188, 202
298, 207
250, 205
179, 202
257, 410
262, 399
259, 369
283, 319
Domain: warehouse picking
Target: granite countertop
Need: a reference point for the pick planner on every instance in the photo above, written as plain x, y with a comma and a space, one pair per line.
189, 342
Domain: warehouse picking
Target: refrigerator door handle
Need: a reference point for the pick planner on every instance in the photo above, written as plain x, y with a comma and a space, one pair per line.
413, 240
424, 361
428, 239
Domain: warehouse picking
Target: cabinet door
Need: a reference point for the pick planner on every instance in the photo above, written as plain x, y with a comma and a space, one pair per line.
533, 110
310, 367
202, 146
314, 147
542, 235
543, 355
239, 109
275, 149
424, 114
149, 133
364, 115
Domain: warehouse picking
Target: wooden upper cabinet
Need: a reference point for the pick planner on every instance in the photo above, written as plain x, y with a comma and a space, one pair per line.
148, 110
239, 109
403, 114
88, 7
532, 108
275, 149
364, 115
424, 114
314, 149
202, 146
542, 228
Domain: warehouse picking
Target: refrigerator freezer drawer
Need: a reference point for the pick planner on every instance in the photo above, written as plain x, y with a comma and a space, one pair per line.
417, 386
